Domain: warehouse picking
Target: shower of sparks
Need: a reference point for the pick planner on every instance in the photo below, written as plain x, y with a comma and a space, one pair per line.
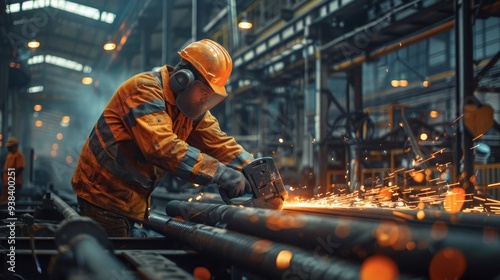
393, 198
457, 119
390, 193
477, 137
494, 185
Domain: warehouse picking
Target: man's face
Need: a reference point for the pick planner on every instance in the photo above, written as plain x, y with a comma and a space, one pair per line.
198, 98
12, 149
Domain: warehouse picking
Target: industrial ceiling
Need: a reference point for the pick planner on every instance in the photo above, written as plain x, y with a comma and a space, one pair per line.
71, 36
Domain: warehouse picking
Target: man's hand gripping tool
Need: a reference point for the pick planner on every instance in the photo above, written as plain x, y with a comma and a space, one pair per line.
268, 190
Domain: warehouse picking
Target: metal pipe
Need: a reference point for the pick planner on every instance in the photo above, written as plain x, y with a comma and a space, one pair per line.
99, 263
413, 141
84, 250
270, 259
412, 247
88, 243
63, 207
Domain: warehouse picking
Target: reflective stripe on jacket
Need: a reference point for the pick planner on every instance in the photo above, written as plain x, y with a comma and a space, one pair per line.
141, 129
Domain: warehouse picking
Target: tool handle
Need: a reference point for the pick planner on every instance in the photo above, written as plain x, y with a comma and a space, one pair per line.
228, 201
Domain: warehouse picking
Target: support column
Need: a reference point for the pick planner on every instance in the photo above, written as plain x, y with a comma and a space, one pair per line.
166, 30
232, 25
145, 49
465, 89
321, 129
4, 91
194, 19
263, 120
356, 90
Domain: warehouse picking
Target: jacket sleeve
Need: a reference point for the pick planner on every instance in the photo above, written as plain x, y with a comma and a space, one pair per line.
152, 130
208, 136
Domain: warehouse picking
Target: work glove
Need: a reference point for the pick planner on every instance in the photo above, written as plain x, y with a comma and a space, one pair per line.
231, 182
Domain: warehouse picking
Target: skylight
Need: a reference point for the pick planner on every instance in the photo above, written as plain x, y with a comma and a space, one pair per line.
68, 6
59, 61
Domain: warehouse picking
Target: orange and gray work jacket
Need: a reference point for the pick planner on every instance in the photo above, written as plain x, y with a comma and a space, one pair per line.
13, 162
141, 130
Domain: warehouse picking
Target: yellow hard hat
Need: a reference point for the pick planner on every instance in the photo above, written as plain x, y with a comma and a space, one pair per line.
12, 141
212, 61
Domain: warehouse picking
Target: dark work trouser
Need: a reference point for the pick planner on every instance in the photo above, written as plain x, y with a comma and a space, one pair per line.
114, 224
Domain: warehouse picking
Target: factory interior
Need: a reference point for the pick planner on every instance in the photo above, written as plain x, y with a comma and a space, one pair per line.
380, 119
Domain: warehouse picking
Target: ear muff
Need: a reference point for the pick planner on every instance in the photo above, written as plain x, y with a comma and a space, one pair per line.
181, 80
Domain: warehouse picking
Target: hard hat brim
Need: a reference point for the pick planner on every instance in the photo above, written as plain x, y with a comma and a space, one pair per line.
219, 90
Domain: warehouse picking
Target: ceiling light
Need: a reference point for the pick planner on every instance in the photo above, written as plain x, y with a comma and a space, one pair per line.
424, 136
244, 23
65, 121
109, 46
59, 61
35, 89
33, 44
63, 62
87, 80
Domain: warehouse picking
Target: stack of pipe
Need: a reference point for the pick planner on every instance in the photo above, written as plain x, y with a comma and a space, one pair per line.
290, 244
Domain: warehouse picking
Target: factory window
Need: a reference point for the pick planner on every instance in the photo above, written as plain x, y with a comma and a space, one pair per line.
492, 36
478, 37
417, 61
369, 77
376, 75
486, 38
438, 51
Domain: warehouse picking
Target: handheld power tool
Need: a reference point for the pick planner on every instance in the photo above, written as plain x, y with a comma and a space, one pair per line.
268, 190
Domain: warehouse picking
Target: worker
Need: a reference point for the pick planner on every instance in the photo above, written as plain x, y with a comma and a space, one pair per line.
12, 172
159, 121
